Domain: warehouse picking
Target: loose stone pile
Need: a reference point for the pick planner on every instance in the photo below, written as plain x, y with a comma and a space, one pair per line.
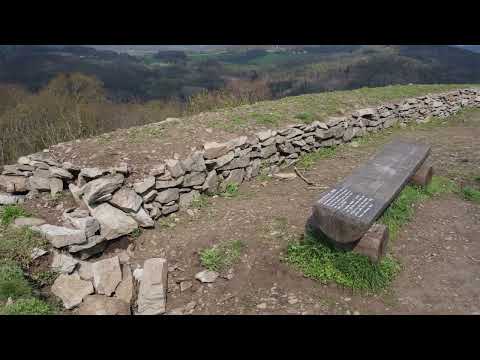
109, 207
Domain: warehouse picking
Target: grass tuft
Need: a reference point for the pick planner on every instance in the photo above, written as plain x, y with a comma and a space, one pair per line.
13, 282
221, 256
308, 160
401, 210
231, 190
17, 244
11, 212
200, 201
305, 117
471, 194
29, 306
319, 261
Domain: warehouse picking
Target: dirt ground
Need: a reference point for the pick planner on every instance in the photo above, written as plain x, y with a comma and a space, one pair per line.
439, 250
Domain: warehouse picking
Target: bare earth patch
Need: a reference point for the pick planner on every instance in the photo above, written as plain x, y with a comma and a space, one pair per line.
439, 250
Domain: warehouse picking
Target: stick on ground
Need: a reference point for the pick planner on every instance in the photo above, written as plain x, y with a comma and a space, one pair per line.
303, 177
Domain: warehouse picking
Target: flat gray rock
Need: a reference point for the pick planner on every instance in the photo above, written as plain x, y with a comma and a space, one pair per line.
13, 184
207, 276
166, 196
124, 290
214, 150
186, 199
71, 289
60, 173
174, 167
152, 294
28, 221
150, 196
195, 162
92, 241
210, 186
103, 305
37, 252
85, 270
194, 178
98, 188
145, 185
165, 184
113, 222
61, 236
127, 200
169, 209
220, 161
9, 199
142, 218
106, 275
62, 263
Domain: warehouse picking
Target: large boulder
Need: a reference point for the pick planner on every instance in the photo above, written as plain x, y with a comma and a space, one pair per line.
127, 200
152, 294
60, 236
71, 289
106, 275
97, 189
103, 305
113, 222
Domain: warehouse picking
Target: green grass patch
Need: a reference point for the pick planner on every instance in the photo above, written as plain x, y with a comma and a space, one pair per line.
9, 213
44, 278
231, 190
306, 117
308, 160
13, 282
318, 260
200, 201
29, 306
471, 194
136, 233
266, 119
17, 244
221, 256
401, 210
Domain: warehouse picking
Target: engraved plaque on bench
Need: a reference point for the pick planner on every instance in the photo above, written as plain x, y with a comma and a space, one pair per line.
346, 212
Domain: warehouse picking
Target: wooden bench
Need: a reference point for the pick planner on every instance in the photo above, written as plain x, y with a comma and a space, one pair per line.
346, 212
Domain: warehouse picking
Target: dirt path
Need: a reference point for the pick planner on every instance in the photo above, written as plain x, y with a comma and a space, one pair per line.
439, 250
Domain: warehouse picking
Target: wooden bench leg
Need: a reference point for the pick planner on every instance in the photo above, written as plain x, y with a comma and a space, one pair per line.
423, 176
374, 243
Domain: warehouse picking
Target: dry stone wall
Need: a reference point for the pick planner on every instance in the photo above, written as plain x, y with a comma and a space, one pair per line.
109, 207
